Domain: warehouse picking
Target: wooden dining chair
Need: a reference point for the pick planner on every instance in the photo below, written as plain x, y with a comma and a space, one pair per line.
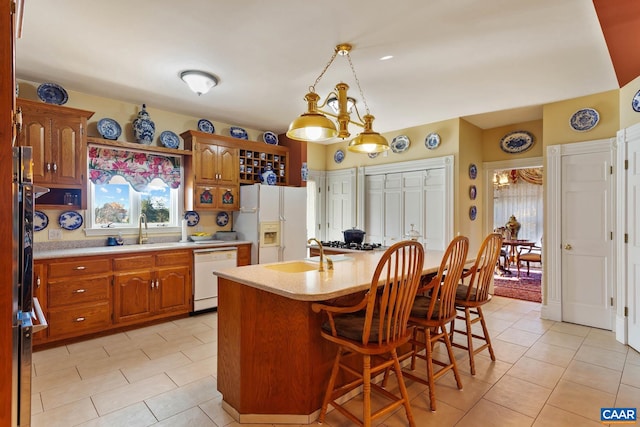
433, 309
373, 329
528, 255
472, 296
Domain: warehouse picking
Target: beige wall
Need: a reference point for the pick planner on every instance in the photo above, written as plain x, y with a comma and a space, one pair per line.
491, 151
628, 116
469, 152
556, 117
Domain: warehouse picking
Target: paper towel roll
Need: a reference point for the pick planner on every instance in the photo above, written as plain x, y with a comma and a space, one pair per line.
184, 230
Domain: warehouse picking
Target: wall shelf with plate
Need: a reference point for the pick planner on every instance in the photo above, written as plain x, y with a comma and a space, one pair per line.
255, 157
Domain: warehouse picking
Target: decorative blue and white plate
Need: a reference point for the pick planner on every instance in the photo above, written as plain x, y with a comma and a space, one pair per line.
205, 125
169, 139
635, 102
270, 138
473, 212
109, 128
338, 157
222, 219
473, 192
52, 93
237, 132
432, 141
192, 218
584, 119
400, 143
516, 142
70, 220
473, 171
40, 221
372, 155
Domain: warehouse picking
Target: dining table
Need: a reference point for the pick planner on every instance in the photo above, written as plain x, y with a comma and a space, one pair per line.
511, 248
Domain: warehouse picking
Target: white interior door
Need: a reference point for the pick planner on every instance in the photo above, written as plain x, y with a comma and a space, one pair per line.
633, 245
587, 257
340, 203
374, 209
392, 209
435, 208
413, 205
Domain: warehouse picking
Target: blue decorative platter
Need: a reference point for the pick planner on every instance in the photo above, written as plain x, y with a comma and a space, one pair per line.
222, 219
473, 192
432, 141
473, 171
192, 218
338, 157
473, 212
516, 142
237, 132
109, 128
70, 220
635, 102
205, 125
40, 221
584, 119
169, 139
400, 143
270, 138
52, 93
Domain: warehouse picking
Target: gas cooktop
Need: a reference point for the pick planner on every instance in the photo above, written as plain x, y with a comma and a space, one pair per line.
354, 246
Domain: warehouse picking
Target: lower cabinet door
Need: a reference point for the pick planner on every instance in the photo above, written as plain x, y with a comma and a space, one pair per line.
79, 320
173, 290
132, 296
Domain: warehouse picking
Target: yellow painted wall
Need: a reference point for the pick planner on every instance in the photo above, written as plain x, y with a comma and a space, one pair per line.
628, 116
448, 131
316, 156
491, 151
470, 152
556, 117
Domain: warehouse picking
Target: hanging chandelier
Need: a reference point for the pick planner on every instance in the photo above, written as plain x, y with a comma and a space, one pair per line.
314, 125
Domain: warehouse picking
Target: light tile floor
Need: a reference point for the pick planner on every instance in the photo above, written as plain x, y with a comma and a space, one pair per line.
546, 374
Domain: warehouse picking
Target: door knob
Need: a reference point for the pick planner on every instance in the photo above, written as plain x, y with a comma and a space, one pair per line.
568, 247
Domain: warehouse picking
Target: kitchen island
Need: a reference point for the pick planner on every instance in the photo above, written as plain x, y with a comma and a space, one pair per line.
272, 362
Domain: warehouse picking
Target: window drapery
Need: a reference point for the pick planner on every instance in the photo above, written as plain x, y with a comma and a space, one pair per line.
524, 200
139, 169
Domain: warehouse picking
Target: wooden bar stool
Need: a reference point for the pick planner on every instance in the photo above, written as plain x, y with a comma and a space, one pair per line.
373, 329
431, 313
470, 298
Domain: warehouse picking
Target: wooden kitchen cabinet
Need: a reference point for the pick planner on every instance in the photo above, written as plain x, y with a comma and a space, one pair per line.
58, 139
78, 296
152, 285
244, 254
212, 171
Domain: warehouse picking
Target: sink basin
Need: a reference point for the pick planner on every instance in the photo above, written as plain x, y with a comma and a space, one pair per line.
292, 267
335, 258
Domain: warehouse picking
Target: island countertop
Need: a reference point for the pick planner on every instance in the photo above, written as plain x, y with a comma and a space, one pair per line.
351, 273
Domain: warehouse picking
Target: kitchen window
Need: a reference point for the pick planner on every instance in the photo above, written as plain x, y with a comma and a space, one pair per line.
123, 184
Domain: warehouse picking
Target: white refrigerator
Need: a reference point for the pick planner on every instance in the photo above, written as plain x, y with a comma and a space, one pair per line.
274, 219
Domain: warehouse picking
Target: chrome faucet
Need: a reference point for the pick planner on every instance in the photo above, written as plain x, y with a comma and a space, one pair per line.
329, 261
142, 239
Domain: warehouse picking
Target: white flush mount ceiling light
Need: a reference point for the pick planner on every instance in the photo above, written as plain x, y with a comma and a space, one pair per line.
199, 81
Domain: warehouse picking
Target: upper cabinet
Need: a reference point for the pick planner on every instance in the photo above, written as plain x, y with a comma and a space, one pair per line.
58, 139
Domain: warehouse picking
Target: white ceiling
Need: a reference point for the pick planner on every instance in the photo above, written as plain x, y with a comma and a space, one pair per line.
463, 58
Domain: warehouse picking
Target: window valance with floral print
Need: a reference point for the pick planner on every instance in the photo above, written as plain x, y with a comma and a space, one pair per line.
139, 169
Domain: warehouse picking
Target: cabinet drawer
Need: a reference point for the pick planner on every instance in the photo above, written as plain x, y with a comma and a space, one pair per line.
79, 291
173, 258
83, 267
75, 321
136, 262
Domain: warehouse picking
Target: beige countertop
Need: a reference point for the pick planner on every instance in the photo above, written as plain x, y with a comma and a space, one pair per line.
116, 250
351, 273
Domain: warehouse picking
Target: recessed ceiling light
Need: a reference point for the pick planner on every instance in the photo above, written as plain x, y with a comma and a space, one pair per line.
384, 58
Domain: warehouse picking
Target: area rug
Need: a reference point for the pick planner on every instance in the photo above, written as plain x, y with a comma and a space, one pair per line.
524, 287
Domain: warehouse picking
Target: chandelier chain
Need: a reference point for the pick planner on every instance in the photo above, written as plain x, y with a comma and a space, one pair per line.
355, 76
312, 88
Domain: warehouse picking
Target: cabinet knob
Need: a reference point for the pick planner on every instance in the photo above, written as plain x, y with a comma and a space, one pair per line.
38, 282
80, 319
80, 267
79, 291
55, 167
48, 167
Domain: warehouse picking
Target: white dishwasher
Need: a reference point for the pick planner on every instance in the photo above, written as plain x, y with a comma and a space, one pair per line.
205, 283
